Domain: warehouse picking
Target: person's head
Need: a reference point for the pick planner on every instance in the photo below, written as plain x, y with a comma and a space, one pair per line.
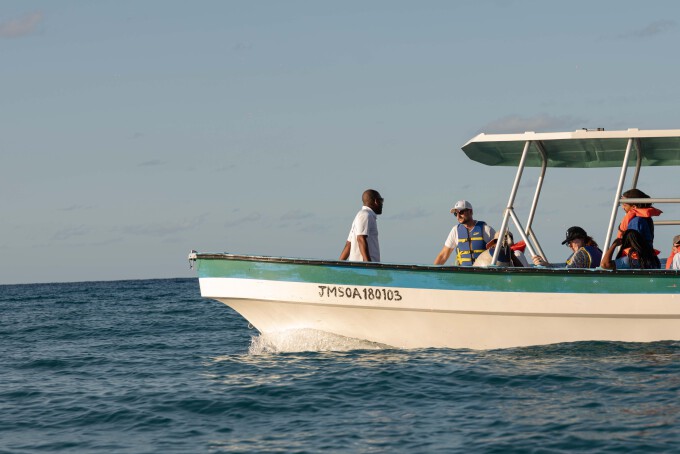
635, 243
676, 243
633, 239
509, 241
462, 210
634, 194
576, 238
372, 199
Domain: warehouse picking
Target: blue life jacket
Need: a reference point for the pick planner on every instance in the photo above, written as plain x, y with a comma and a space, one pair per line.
646, 228
593, 252
470, 243
595, 255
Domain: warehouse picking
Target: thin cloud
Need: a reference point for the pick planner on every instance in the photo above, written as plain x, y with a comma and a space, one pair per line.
22, 26
240, 46
105, 242
76, 208
653, 29
151, 163
224, 168
296, 215
252, 217
537, 123
410, 214
315, 228
70, 232
82, 243
162, 229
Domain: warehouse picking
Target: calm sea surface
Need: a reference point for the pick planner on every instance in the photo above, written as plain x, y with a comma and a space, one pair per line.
149, 366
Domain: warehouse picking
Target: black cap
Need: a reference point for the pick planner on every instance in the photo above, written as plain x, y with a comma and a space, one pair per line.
574, 233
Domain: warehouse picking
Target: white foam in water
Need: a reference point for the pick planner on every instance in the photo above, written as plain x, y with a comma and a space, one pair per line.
307, 340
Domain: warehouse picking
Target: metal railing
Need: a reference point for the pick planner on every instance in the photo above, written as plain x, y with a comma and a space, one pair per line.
527, 233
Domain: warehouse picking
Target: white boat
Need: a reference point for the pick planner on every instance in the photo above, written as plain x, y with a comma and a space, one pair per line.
420, 306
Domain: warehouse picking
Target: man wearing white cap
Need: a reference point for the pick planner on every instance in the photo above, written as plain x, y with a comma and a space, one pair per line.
468, 238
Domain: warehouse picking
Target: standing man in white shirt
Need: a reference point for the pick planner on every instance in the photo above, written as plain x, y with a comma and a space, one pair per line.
362, 244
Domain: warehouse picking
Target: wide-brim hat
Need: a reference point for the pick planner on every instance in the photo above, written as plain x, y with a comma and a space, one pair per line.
491, 243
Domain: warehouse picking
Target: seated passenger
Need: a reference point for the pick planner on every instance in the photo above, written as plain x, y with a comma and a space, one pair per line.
586, 252
675, 249
638, 216
508, 256
640, 255
675, 265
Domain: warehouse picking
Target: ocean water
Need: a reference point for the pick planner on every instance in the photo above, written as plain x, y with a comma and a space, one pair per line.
149, 366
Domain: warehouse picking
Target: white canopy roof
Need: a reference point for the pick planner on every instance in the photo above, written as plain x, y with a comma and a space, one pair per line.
578, 149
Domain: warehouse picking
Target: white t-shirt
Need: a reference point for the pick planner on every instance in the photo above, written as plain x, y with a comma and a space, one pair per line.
365, 223
675, 264
452, 240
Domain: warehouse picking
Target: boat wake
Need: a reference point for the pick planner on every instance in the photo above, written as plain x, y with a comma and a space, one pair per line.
307, 340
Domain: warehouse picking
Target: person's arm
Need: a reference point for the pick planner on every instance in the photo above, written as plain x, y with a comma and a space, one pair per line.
669, 260
449, 246
580, 259
540, 261
344, 255
443, 256
607, 263
363, 247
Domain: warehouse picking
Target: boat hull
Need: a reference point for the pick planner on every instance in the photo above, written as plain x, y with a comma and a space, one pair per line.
424, 306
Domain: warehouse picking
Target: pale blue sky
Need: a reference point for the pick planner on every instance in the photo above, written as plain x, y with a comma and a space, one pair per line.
134, 131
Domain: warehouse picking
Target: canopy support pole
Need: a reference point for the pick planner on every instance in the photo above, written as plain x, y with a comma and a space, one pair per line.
638, 162
539, 185
509, 209
515, 219
617, 195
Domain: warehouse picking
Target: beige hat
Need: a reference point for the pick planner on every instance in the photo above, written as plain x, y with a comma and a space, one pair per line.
491, 243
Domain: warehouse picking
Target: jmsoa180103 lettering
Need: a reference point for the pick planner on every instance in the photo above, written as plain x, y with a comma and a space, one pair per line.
366, 293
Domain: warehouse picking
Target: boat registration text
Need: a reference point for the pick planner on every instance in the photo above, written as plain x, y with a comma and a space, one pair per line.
365, 293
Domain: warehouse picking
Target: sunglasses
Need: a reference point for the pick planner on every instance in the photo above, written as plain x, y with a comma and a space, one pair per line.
456, 213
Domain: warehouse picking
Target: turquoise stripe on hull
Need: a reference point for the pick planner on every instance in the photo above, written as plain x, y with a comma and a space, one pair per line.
437, 278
